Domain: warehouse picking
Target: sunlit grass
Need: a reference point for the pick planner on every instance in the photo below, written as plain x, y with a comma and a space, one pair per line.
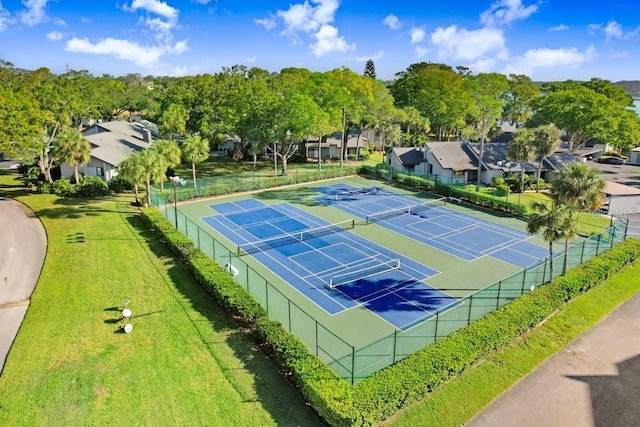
185, 363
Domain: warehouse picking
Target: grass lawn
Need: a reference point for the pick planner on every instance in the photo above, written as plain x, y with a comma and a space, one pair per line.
185, 363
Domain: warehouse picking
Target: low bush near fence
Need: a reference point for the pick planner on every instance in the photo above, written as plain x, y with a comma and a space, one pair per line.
376, 398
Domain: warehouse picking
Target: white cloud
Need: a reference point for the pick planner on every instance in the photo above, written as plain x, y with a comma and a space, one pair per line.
504, 12
421, 52
613, 30
85, 20
594, 27
306, 17
483, 65
154, 6
535, 59
250, 59
328, 41
5, 18
267, 23
417, 35
35, 12
55, 36
143, 56
392, 22
461, 44
560, 27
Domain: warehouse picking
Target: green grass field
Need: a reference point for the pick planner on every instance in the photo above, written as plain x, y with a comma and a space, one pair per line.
185, 363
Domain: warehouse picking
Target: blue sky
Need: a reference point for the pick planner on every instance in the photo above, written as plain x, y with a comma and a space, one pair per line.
546, 40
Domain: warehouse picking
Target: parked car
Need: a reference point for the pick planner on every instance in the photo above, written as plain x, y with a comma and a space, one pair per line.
611, 160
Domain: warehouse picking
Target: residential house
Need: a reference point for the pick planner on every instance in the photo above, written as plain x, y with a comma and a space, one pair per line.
621, 199
457, 162
330, 145
111, 143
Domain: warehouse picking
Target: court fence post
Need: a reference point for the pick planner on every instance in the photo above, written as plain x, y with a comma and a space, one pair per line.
582, 252
395, 345
544, 271
289, 312
524, 281
353, 364
498, 298
598, 245
470, 306
435, 332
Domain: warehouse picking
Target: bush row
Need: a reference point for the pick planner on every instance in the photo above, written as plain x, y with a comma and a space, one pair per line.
89, 186
318, 384
479, 199
376, 398
409, 380
259, 183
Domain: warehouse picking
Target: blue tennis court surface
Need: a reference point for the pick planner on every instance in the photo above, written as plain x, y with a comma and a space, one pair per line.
433, 224
333, 267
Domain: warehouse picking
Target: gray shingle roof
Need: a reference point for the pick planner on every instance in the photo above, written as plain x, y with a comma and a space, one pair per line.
115, 141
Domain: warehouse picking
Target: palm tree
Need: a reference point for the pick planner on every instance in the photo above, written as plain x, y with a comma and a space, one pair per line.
521, 150
131, 170
72, 148
153, 166
546, 141
195, 149
554, 221
171, 153
578, 187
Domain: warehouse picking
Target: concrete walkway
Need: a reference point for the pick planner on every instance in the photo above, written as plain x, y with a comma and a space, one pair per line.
23, 246
594, 381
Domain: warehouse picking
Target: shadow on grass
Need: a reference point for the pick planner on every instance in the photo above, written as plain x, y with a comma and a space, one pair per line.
271, 389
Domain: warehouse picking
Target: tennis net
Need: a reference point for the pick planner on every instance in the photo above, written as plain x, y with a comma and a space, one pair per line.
363, 272
406, 210
290, 238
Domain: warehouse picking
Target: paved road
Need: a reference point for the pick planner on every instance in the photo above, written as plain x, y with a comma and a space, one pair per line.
23, 246
594, 381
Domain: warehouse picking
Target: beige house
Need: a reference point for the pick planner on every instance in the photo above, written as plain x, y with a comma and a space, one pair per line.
111, 143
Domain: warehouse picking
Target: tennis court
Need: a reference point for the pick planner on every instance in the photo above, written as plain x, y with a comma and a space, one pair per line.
433, 224
333, 267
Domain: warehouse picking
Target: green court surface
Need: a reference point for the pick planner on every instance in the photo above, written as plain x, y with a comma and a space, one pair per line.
357, 326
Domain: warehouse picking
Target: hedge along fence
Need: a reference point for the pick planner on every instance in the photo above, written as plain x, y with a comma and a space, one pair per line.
230, 184
374, 399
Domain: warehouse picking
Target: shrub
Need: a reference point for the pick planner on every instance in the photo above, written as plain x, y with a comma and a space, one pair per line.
92, 186
63, 187
119, 185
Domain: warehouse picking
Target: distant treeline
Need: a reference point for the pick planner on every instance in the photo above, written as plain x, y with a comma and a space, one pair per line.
631, 86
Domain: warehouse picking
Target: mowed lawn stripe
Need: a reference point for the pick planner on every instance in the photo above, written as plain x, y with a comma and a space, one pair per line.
185, 363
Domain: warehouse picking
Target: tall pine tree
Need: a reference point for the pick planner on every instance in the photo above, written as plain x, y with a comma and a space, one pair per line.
370, 69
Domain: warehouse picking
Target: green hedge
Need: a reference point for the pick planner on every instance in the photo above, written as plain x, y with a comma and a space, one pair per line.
374, 399
478, 199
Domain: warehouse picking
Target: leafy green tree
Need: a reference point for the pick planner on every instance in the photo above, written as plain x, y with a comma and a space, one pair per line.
71, 147
521, 149
487, 91
438, 93
370, 69
553, 223
518, 99
171, 153
174, 121
195, 149
583, 113
546, 140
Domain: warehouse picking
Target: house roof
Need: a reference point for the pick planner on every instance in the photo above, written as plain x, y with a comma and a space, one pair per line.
117, 140
409, 156
451, 155
495, 156
617, 189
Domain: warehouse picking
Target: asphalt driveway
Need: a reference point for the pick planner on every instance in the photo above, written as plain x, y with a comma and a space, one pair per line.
23, 246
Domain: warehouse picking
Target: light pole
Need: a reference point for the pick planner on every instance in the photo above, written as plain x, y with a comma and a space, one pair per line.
176, 180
